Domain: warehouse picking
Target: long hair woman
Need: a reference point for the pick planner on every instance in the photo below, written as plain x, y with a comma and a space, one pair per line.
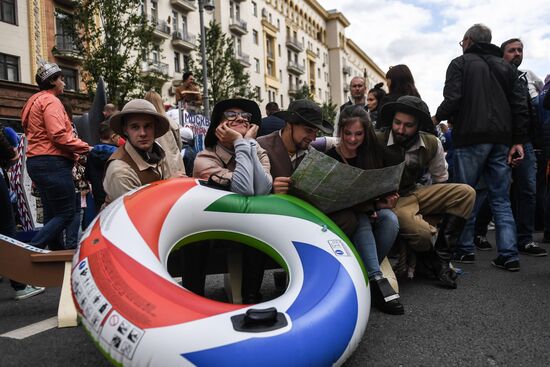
377, 226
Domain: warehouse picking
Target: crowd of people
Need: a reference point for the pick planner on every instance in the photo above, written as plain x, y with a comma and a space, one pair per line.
457, 175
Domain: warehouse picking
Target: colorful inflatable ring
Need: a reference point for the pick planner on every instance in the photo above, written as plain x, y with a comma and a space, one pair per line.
139, 316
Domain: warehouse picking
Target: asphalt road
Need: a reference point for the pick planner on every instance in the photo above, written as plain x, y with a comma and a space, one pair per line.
494, 318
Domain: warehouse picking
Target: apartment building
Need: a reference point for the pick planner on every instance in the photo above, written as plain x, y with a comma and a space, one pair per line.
283, 44
29, 31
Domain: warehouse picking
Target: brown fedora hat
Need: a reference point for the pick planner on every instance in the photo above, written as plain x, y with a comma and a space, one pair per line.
139, 107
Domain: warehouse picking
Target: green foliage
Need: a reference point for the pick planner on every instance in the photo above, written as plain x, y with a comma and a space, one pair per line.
329, 111
112, 37
226, 76
304, 93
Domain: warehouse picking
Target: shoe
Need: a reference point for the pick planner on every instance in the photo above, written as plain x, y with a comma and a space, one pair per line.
384, 297
463, 258
503, 263
27, 292
532, 249
482, 244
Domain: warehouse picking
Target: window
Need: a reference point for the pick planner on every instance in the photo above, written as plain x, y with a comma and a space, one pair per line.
255, 36
257, 63
186, 61
8, 12
9, 68
258, 93
63, 39
177, 65
184, 25
281, 104
71, 78
254, 8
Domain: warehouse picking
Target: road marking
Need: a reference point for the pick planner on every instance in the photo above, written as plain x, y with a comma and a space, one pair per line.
31, 329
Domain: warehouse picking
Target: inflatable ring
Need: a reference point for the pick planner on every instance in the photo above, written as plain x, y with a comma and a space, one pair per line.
139, 316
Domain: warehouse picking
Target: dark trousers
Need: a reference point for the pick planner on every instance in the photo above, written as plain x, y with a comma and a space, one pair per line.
54, 180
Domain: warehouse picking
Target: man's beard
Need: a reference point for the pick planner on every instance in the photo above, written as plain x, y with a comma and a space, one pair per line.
406, 141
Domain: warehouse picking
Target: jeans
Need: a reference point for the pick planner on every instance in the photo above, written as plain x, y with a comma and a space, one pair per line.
374, 238
488, 161
53, 178
483, 219
72, 233
524, 191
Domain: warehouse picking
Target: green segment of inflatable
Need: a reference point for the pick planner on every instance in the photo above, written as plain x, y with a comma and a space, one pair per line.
236, 237
281, 205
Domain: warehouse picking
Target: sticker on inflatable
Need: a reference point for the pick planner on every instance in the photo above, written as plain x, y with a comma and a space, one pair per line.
93, 304
338, 247
121, 334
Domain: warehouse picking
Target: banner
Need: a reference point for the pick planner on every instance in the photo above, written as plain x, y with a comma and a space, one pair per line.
196, 122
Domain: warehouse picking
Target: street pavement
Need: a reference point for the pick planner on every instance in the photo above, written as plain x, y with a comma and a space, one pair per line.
494, 318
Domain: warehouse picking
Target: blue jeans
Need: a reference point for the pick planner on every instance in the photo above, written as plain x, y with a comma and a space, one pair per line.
488, 161
524, 195
374, 238
72, 233
54, 180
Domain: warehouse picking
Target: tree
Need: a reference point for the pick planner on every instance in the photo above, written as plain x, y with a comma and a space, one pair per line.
303, 93
227, 77
113, 37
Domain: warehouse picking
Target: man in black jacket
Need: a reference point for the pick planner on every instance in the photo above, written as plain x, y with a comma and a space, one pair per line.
524, 176
485, 102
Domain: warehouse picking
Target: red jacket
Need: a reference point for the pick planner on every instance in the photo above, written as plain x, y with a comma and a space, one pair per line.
48, 128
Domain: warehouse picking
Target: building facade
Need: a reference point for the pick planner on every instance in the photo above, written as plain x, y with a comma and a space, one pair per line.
283, 45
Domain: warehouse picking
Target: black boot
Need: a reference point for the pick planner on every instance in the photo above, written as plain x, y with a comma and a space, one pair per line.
449, 233
447, 240
384, 297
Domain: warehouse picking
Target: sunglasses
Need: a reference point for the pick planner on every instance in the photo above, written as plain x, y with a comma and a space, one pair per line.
232, 115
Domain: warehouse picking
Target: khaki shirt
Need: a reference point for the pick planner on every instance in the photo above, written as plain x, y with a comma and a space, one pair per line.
121, 178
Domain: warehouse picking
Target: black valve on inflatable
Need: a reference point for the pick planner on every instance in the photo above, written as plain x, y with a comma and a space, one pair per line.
259, 320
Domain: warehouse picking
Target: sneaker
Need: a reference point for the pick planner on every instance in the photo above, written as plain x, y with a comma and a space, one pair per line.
28, 292
463, 258
532, 249
482, 243
502, 263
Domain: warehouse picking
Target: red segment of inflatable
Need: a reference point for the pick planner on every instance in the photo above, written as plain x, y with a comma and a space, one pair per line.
150, 210
129, 286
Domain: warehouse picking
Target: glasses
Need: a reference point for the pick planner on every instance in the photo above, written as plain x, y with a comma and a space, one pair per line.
232, 115
461, 43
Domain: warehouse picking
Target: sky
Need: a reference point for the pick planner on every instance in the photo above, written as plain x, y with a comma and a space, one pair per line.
424, 34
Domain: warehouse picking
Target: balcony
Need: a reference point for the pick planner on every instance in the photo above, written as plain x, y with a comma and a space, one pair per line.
295, 68
243, 58
183, 40
184, 5
162, 30
153, 66
292, 90
346, 70
238, 26
65, 48
294, 44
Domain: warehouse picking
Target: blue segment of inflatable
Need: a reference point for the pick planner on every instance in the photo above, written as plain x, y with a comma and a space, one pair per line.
324, 317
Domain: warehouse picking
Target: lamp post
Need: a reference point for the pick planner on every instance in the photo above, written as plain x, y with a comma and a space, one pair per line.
208, 5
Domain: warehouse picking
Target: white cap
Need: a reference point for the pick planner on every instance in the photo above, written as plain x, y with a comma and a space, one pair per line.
45, 70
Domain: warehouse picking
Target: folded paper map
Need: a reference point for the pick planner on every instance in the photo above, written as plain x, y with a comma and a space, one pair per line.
330, 185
